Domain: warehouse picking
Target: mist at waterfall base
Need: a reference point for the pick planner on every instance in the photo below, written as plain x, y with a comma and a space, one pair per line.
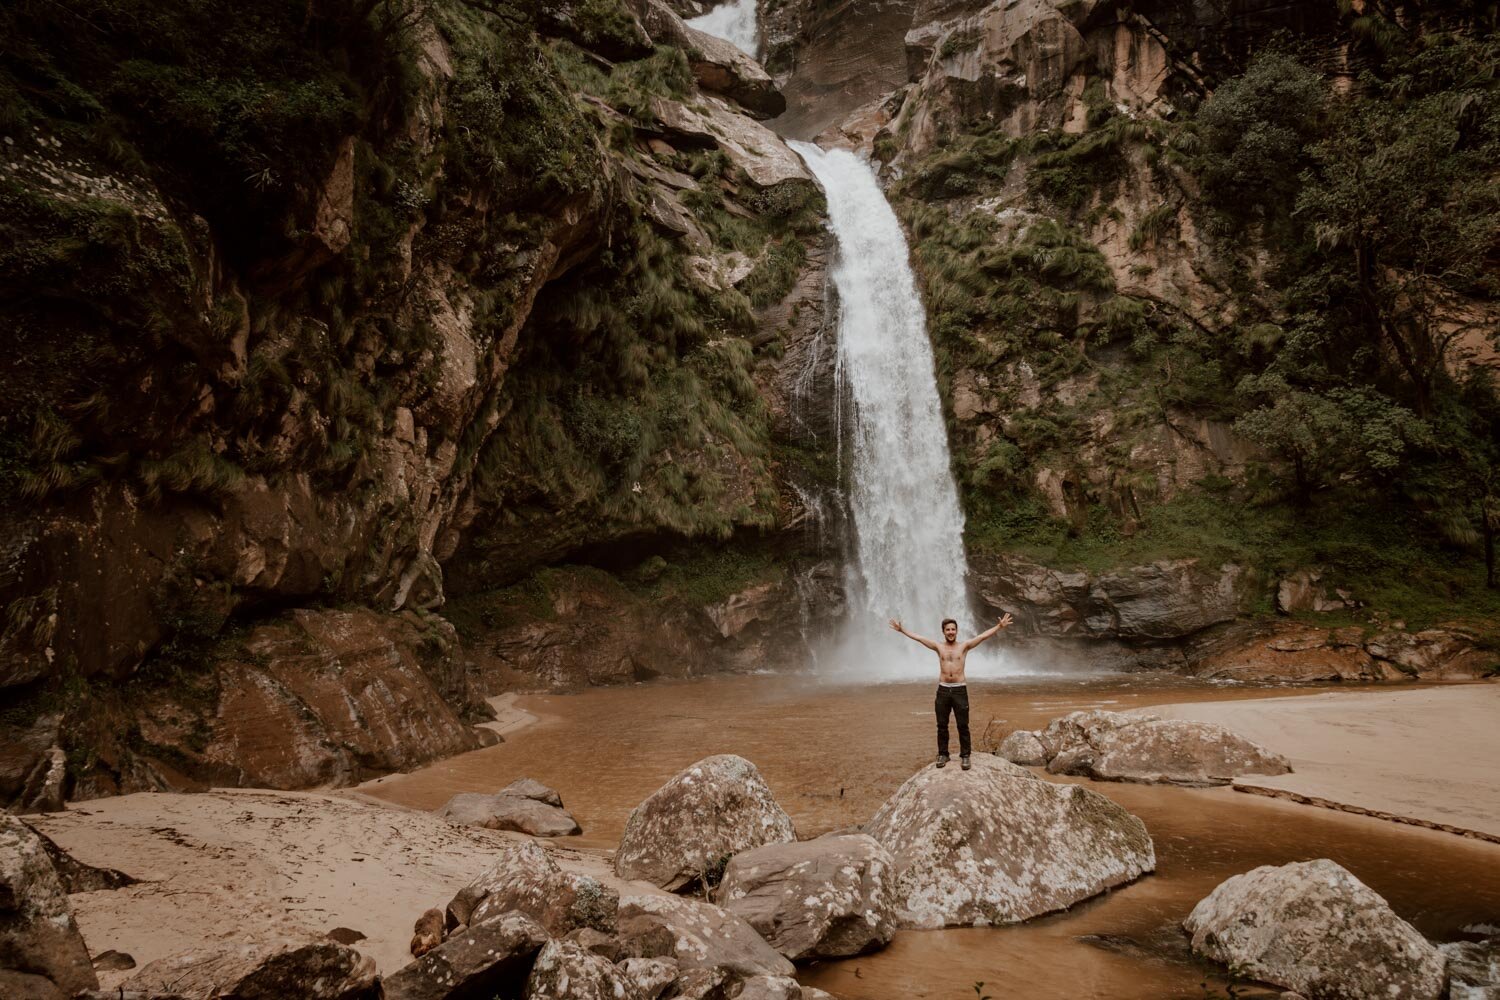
733, 22
908, 560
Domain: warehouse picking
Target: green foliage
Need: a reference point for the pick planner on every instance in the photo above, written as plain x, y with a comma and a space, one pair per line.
970, 164
1070, 171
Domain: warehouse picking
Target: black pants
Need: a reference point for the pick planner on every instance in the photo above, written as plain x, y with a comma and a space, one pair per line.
955, 700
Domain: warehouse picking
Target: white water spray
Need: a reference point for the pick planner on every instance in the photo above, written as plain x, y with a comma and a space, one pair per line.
735, 23
908, 526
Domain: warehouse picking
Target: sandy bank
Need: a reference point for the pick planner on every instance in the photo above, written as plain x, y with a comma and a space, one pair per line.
238, 866
1425, 757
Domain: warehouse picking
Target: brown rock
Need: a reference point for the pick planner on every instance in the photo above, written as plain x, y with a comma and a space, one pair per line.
428, 932
37, 932
1313, 927
321, 970
25, 986
510, 812
487, 959
702, 816
999, 845
826, 898
698, 936
566, 970
113, 961
523, 878
649, 978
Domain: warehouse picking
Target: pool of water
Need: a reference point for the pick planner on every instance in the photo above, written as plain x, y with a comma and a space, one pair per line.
832, 753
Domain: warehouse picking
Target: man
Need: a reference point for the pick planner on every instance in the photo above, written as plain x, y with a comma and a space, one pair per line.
953, 692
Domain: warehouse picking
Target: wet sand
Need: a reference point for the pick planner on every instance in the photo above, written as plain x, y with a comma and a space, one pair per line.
1424, 757
832, 753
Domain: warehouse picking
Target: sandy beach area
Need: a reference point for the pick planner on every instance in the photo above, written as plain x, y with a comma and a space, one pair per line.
1425, 757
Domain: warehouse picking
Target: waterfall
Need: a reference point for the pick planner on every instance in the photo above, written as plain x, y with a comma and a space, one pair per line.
735, 23
908, 546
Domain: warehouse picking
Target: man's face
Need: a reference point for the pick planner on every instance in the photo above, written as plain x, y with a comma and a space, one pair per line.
950, 631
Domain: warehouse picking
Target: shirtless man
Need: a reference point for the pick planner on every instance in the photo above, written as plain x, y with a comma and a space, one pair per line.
952, 692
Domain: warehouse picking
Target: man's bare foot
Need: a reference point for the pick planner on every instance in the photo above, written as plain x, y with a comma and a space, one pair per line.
942, 760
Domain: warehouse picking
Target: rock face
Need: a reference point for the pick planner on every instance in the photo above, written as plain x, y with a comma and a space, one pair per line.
824, 898
320, 970
566, 971
1296, 652
717, 65
695, 822
698, 936
1473, 969
1114, 746
524, 879
487, 959
38, 935
524, 805
1313, 927
997, 845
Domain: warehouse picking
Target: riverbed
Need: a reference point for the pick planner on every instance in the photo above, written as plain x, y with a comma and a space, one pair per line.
832, 753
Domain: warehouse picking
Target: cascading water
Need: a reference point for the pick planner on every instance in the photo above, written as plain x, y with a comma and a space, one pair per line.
733, 22
909, 555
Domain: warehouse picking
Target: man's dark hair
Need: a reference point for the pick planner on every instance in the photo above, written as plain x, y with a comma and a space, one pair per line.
948, 621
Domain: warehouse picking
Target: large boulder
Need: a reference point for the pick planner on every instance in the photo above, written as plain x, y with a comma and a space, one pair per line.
1114, 746
487, 959
997, 845
752, 147
824, 898
315, 970
1311, 926
648, 978
567, 971
1473, 969
707, 813
697, 935
525, 805
525, 879
38, 935
718, 66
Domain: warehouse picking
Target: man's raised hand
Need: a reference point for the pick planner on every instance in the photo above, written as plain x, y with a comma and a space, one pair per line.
896, 625
1006, 621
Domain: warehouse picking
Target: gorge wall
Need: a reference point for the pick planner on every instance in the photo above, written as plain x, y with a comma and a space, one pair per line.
370, 358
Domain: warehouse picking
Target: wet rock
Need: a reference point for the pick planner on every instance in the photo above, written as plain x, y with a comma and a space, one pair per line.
1290, 651
824, 898
510, 812
530, 788
1023, 747
427, 934
1313, 927
1473, 969
38, 935
1165, 600
321, 970
998, 845
648, 978
1114, 746
523, 878
699, 936
702, 816
567, 971
486, 959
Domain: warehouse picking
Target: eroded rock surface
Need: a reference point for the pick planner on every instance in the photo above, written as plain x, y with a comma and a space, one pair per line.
1311, 926
322, 970
488, 958
1293, 651
698, 936
524, 879
1115, 746
525, 805
565, 970
38, 935
697, 820
998, 845
824, 898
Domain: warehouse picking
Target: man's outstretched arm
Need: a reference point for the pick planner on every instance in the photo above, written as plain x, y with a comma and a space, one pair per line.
918, 638
1004, 622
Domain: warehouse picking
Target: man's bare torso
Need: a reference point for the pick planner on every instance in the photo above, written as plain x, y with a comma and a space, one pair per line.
951, 657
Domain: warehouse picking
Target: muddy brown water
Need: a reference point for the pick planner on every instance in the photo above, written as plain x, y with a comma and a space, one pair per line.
832, 753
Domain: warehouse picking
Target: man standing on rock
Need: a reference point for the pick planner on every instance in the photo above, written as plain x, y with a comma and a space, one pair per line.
953, 691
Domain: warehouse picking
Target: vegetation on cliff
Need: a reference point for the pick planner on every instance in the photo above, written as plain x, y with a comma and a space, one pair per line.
1351, 237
